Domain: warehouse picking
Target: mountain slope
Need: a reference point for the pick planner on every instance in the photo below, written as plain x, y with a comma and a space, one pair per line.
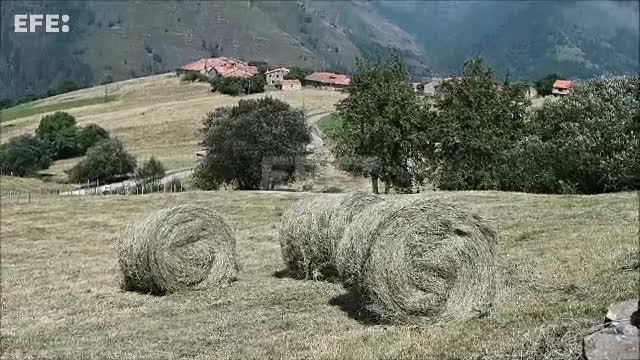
124, 39
120, 39
526, 39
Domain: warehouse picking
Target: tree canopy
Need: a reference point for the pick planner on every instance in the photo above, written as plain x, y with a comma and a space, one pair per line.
242, 139
380, 122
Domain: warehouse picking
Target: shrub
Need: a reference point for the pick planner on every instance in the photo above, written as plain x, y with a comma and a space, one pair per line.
151, 170
59, 131
587, 142
297, 73
105, 162
89, 136
195, 77
24, 155
241, 139
235, 86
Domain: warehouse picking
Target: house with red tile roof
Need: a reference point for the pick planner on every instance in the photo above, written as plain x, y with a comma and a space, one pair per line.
562, 87
221, 66
327, 81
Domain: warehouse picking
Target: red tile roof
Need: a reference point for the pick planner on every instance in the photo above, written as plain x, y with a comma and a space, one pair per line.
563, 84
223, 66
329, 78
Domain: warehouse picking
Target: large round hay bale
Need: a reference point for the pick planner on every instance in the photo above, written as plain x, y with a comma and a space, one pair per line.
311, 228
181, 247
417, 259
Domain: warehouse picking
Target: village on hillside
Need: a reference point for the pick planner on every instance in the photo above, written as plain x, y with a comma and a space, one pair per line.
279, 77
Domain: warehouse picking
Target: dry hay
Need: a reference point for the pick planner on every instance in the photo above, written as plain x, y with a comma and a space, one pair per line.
559, 341
181, 247
311, 228
415, 260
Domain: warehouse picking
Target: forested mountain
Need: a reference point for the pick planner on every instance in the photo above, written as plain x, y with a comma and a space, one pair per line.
119, 39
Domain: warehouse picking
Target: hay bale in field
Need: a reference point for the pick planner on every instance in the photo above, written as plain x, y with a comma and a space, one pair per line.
415, 260
311, 228
181, 247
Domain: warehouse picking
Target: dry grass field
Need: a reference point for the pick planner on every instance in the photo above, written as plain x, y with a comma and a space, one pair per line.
563, 259
157, 115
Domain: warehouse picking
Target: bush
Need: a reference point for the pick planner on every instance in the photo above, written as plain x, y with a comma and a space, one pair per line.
105, 162
235, 86
89, 136
241, 139
59, 131
24, 155
195, 77
151, 170
297, 73
587, 142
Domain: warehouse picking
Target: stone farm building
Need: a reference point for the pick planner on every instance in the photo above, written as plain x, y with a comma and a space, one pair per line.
562, 87
289, 85
273, 77
221, 66
327, 81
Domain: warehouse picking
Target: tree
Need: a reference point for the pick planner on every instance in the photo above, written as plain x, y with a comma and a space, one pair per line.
24, 155
464, 140
377, 136
105, 162
241, 140
297, 73
59, 131
544, 86
235, 86
587, 142
151, 170
89, 136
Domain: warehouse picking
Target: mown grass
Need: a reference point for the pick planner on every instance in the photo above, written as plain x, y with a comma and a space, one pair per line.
329, 124
559, 260
32, 108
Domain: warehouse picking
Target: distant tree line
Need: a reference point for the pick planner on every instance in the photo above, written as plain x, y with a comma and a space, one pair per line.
58, 137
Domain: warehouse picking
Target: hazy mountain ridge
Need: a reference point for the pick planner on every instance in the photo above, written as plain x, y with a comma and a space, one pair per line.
119, 39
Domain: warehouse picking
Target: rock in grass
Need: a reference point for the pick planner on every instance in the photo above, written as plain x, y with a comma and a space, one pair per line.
177, 248
414, 259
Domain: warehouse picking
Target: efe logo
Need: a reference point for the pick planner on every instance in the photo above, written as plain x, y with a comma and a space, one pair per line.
37, 22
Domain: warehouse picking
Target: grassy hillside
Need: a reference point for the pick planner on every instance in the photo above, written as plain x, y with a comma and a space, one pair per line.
158, 115
562, 261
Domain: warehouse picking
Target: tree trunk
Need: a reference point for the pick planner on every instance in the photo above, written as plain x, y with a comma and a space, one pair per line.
387, 186
374, 183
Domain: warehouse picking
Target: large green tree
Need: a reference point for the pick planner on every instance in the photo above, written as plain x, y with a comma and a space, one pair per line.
60, 132
242, 139
378, 133
23, 155
475, 121
105, 162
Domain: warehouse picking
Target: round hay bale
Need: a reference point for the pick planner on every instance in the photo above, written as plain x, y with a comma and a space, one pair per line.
181, 247
311, 228
415, 260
